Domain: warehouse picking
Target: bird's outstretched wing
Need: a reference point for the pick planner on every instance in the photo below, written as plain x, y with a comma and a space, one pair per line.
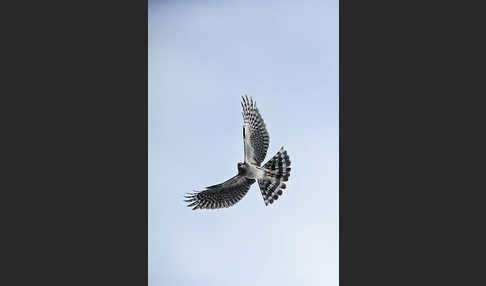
222, 195
255, 134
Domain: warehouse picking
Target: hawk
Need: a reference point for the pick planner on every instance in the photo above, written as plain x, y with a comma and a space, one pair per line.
271, 176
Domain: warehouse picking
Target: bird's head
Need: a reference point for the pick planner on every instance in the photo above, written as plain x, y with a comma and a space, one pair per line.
241, 167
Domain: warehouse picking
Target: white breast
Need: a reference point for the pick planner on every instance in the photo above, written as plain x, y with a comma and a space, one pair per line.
255, 172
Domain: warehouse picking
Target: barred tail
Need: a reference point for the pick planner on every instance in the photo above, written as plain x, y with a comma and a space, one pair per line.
277, 172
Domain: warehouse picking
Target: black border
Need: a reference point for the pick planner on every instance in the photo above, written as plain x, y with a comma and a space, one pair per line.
79, 143
408, 200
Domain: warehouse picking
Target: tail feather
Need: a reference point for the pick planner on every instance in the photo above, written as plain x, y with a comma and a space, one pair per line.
278, 172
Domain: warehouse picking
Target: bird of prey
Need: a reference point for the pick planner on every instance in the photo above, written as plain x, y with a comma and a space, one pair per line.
271, 176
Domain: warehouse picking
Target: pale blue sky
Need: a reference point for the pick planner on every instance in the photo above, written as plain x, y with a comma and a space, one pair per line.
203, 56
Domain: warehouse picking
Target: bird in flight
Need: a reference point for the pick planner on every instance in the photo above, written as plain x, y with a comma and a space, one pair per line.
271, 176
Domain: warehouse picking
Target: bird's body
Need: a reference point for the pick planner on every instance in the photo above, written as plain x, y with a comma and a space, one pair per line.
270, 176
250, 171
